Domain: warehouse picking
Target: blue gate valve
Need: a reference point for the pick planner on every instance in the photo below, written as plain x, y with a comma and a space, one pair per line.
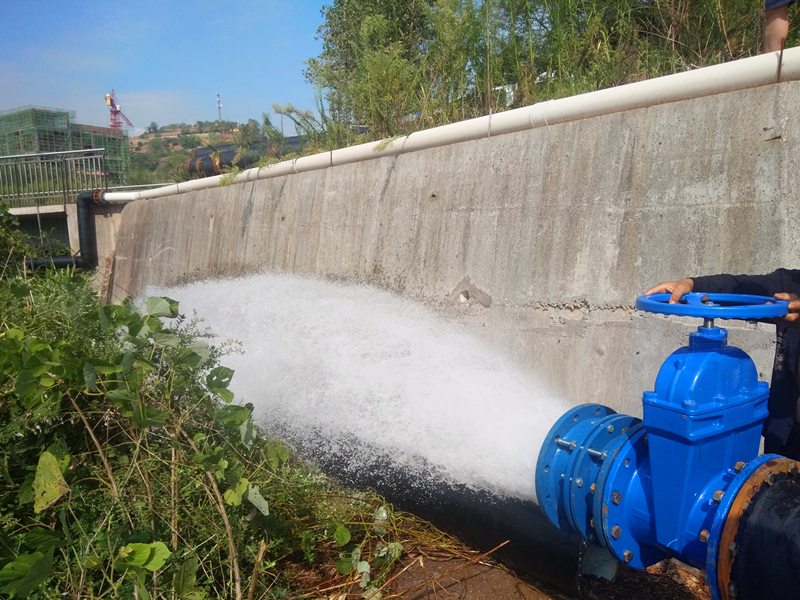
663, 486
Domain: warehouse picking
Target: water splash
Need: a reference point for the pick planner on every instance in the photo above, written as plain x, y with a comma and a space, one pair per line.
370, 377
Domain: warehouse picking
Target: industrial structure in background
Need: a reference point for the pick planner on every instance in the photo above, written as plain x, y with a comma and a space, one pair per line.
28, 132
116, 114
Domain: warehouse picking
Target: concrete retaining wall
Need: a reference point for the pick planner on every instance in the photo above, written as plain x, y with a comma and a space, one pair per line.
552, 232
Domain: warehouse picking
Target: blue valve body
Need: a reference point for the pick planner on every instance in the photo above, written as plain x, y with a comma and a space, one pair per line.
655, 488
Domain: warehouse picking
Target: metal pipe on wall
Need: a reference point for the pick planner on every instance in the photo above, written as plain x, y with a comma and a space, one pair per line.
87, 237
742, 74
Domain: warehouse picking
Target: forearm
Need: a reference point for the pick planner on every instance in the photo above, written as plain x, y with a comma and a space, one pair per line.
758, 285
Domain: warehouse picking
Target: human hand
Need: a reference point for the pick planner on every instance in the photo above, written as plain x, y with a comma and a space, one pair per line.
793, 318
679, 288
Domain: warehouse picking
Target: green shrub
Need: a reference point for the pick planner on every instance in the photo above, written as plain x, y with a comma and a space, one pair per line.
127, 471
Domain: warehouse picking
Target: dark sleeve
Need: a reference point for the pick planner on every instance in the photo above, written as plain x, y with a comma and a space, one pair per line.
782, 280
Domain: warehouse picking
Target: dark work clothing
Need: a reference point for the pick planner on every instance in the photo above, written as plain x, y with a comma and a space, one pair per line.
770, 4
781, 433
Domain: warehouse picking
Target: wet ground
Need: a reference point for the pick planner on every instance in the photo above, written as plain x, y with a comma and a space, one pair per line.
483, 580
428, 577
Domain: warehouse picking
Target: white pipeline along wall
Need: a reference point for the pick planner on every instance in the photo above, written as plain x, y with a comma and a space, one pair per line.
553, 230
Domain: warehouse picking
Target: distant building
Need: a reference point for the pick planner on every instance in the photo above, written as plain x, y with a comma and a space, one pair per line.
34, 129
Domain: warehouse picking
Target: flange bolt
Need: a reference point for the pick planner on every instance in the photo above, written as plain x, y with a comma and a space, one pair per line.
739, 466
627, 556
704, 536
718, 496
616, 496
616, 532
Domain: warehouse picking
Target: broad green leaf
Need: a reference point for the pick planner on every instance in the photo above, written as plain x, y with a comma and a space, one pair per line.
35, 346
151, 325
119, 315
25, 386
93, 562
381, 517
158, 556
219, 377
185, 580
233, 415
167, 339
42, 539
255, 498
62, 518
90, 376
25, 493
202, 350
122, 398
25, 573
144, 417
61, 452
214, 462
161, 307
341, 536
15, 334
248, 433
233, 496
147, 556
281, 451
225, 395
276, 454
104, 367
102, 316
184, 357
344, 565
218, 380
49, 484
363, 568
127, 362
387, 553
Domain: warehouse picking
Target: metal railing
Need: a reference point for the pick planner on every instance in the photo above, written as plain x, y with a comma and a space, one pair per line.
50, 177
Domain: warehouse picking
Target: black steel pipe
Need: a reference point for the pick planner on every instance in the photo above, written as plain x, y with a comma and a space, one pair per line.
59, 262
209, 150
767, 545
87, 234
87, 237
206, 165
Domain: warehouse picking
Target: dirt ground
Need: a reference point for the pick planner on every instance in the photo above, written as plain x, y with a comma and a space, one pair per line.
422, 577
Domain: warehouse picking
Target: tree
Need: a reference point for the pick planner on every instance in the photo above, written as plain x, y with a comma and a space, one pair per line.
189, 141
397, 66
153, 127
354, 35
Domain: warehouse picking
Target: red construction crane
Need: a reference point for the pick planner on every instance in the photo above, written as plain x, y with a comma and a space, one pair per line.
116, 112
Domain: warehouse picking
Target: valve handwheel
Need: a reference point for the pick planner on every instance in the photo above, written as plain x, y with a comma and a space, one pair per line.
715, 306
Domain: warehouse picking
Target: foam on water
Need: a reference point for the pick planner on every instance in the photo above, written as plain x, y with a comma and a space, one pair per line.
348, 369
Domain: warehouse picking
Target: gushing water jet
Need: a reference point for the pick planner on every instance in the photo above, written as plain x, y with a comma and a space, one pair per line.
381, 391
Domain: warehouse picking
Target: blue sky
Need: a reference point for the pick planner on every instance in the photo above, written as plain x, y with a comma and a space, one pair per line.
165, 60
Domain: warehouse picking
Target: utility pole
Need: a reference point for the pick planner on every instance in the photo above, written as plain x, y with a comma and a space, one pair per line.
219, 106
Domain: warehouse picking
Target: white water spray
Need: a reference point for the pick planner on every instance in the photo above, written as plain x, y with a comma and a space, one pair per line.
354, 370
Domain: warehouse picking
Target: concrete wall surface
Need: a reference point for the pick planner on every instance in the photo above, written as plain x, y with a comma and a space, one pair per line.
553, 232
